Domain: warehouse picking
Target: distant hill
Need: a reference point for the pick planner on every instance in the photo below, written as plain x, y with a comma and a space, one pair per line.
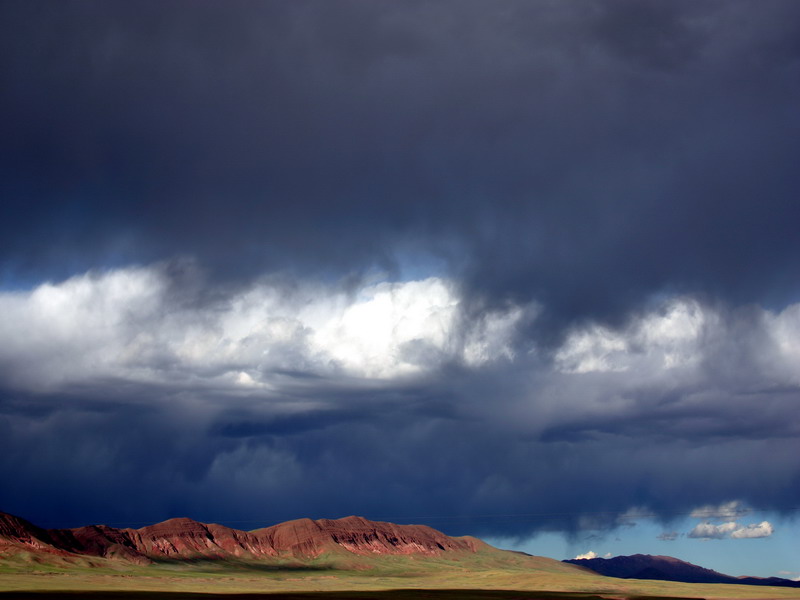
184, 538
351, 542
667, 568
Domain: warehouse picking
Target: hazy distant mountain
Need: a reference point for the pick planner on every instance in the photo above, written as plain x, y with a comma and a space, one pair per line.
667, 568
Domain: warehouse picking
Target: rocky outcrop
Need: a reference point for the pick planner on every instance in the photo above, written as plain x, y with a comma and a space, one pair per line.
185, 538
98, 540
16, 532
305, 537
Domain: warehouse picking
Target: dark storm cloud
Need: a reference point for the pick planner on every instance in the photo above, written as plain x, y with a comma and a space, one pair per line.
587, 156
456, 446
230, 459
577, 162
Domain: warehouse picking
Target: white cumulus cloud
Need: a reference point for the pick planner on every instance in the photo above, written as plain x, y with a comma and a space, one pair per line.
137, 324
661, 339
709, 531
587, 555
731, 529
760, 530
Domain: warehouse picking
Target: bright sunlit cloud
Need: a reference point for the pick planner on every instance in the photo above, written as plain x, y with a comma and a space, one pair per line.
756, 530
132, 324
662, 340
731, 529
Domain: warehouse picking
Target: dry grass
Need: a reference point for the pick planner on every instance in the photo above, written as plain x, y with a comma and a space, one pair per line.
481, 576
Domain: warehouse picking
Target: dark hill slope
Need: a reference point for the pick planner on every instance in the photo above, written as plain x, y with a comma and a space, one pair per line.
667, 568
16, 532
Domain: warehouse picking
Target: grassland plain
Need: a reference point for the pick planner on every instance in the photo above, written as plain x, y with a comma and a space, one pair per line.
480, 576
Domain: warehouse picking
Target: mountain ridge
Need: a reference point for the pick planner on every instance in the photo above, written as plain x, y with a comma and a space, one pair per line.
669, 568
183, 538
350, 541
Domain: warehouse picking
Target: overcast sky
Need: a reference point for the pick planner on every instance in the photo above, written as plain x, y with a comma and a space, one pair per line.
521, 269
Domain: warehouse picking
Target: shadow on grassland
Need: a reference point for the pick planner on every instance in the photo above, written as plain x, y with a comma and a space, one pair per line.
215, 564
410, 594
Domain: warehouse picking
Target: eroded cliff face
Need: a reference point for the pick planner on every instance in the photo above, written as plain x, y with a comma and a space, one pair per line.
305, 537
185, 538
98, 540
17, 532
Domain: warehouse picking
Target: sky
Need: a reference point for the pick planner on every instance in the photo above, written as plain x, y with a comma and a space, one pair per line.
526, 270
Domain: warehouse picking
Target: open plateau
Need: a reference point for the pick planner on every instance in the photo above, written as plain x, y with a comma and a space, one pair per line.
343, 558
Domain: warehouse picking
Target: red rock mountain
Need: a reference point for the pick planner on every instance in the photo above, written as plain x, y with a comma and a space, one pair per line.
185, 538
16, 532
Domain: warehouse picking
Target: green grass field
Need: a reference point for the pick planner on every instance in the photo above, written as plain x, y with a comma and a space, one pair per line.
475, 576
